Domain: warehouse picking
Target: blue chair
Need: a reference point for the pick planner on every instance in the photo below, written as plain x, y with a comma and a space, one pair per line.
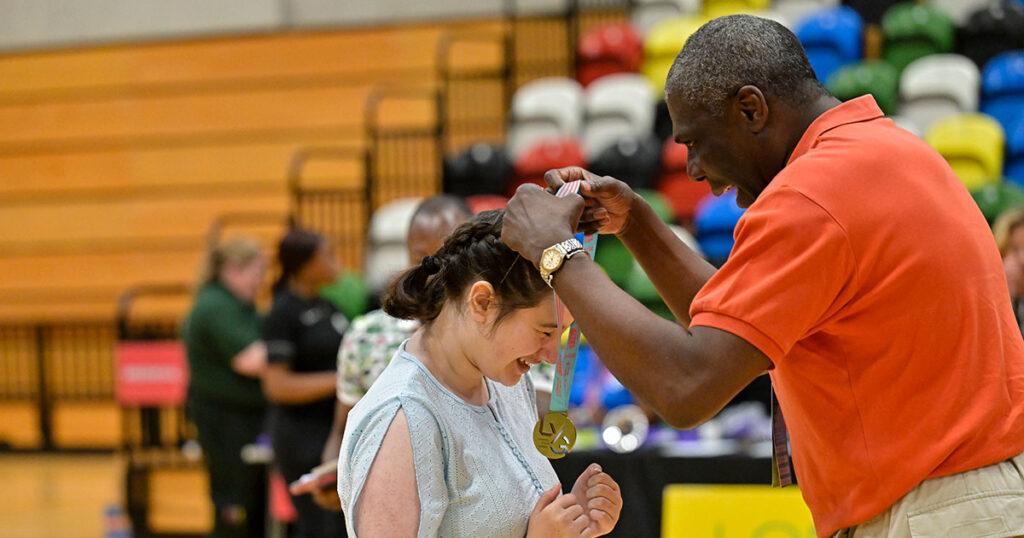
1002, 87
832, 38
1013, 169
716, 218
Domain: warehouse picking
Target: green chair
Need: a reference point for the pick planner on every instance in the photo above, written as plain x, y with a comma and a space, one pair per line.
994, 200
349, 294
659, 204
642, 289
912, 30
875, 77
614, 258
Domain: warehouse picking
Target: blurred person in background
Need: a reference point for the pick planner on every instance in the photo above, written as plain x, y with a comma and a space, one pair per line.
1009, 232
226, 359
302, 333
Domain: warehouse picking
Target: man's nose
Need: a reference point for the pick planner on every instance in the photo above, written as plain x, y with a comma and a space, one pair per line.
693, 168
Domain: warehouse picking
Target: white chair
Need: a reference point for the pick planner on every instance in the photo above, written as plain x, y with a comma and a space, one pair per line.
390, 222
960, 10
938, 86
907, 124
777, 16
794, 11
389, 228
617, 106
648, 13
543, 109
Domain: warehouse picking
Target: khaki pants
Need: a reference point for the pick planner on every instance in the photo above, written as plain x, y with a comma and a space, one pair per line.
983, 503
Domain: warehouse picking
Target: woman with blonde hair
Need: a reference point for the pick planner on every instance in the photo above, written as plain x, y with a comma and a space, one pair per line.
225, 401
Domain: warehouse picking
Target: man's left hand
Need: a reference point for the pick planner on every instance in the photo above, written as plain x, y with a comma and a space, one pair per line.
535, 220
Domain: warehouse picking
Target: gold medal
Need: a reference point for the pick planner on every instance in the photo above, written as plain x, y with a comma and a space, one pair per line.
554, 435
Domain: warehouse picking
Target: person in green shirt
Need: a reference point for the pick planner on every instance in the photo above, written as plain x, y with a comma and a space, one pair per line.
225, 401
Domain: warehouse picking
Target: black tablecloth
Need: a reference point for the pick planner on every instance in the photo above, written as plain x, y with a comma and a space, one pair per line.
644, 475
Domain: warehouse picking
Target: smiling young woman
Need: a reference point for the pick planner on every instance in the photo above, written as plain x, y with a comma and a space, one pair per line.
441, 444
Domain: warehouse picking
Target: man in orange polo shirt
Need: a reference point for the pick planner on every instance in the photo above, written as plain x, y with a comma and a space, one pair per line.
863, 279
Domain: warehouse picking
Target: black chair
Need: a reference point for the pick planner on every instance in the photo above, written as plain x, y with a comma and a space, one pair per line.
636, 162
871, 10
479, 169
992, 30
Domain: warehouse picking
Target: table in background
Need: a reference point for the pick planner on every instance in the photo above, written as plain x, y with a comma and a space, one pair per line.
643, 476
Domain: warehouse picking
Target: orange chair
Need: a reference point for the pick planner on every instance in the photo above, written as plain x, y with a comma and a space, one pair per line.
682, 193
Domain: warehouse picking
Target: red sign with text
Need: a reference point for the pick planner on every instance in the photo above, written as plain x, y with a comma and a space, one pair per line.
151, 373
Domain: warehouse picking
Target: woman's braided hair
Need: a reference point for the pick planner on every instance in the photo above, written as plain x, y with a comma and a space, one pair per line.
472, 252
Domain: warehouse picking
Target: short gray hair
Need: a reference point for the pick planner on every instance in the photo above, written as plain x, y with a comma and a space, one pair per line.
734, 51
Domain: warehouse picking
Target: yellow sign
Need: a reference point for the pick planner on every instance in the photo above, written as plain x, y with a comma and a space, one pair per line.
696, 511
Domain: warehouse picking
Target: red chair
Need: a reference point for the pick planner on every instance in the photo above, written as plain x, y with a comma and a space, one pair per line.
281, 508
538, 159
614, 48
485, 202
683, 193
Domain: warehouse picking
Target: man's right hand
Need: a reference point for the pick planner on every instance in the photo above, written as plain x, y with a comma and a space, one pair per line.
608, 200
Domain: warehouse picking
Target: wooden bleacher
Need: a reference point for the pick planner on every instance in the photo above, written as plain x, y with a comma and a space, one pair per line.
115, 161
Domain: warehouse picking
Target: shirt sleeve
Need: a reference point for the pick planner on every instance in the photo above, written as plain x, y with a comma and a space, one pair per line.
224, 328
428, 452
791, 268
354, 346
278, 335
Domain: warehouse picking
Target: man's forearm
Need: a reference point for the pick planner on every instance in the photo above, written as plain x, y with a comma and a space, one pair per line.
676, 271
644, 351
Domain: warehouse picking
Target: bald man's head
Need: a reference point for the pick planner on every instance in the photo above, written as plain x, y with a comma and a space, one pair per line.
431, 223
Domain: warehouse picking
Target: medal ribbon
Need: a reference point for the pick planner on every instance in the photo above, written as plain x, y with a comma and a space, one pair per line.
567, 353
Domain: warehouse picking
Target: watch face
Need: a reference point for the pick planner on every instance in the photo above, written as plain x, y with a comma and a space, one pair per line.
550, 259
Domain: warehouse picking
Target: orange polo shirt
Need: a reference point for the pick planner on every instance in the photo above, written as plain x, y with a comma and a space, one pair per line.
868, 276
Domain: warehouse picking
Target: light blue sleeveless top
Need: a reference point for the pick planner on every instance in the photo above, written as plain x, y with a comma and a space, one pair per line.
477, 471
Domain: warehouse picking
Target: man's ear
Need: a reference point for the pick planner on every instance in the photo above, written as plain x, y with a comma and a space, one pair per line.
482, 302
752, 108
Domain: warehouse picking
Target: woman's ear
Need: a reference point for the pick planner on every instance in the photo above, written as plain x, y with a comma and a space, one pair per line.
482, 302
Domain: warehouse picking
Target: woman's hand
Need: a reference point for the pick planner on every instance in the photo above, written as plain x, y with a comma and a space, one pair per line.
599, 496
558, 517
608, 200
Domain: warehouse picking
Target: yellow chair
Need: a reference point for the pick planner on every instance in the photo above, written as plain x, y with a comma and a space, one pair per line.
721, 8
734, 512
973, 146
663, 44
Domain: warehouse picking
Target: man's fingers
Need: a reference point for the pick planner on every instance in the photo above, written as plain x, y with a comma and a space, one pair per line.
528, 187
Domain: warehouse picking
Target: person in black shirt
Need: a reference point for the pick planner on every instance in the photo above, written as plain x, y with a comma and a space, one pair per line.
302, 333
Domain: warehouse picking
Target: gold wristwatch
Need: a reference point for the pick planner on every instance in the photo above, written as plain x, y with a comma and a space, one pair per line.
553, 257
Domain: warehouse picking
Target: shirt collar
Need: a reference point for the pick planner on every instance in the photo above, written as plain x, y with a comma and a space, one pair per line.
863, 108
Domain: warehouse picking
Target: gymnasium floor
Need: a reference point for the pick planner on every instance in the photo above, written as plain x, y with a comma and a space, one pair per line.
56, 496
